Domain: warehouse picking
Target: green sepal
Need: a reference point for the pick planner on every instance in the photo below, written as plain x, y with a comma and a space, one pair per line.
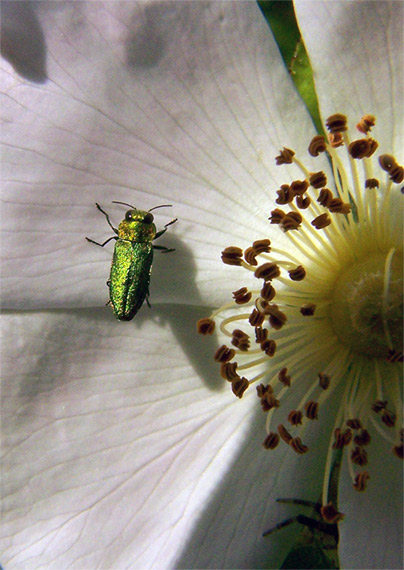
312, 556
281, 18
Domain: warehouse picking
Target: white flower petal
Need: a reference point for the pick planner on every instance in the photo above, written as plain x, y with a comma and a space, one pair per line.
356, 50
114, 458
117, 454
176, 102
112, 441
371, 534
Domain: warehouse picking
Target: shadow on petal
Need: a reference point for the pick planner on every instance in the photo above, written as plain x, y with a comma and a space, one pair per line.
22, 40
228, 533
145, 44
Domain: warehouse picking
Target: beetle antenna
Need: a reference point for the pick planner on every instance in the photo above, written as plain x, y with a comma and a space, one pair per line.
130, 205
124, 204
162, 206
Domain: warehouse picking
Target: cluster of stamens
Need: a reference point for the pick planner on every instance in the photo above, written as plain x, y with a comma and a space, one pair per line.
261, 348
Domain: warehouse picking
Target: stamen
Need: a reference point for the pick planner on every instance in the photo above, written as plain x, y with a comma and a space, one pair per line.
276, 317
337, 206
361, 481
268, 292
325, 197
262, 246
336, 140
317, 145
228, 371
285, 157
205, 326
366, 124
330, 514
388, 418
397, 174
302, 203
395, 355
290, 221
240, 340
271, 441
250, 256
285, 195
285, 435
311, 410
398, 451
354, 423
295, 417
362, 148
372, 183
268, 400
297, 445
318, 180
284, 377
359, 456
336, 123
277, 216
307, 310
232, 255
239, 386
379, 405
321, 222
387, 162
256, 318
330, 273
260, 334
341, 438
224, 354
362, 438
323, 380
264, 390
242, 296
297, 274
269, 347
299, 186
267, 271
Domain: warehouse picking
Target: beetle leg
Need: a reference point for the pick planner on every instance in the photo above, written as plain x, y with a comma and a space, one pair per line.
327, 528
312, 504
101, 244
147, 299
108, 220
163, 248
280, 525
172, 222
161, 232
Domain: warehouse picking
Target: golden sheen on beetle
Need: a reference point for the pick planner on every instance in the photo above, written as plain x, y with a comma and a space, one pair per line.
132, 261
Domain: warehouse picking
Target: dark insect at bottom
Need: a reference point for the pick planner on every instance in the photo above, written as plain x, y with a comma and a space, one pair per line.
317, 544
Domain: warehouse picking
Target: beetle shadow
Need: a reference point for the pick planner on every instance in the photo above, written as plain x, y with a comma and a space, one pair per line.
182, 317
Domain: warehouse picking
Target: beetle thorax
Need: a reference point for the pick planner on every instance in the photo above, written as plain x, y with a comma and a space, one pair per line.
136, 231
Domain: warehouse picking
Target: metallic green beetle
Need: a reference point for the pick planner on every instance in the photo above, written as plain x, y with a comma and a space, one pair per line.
132, 261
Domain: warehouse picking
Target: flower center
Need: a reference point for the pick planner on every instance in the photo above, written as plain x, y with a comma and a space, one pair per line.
326, 311
367, 305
